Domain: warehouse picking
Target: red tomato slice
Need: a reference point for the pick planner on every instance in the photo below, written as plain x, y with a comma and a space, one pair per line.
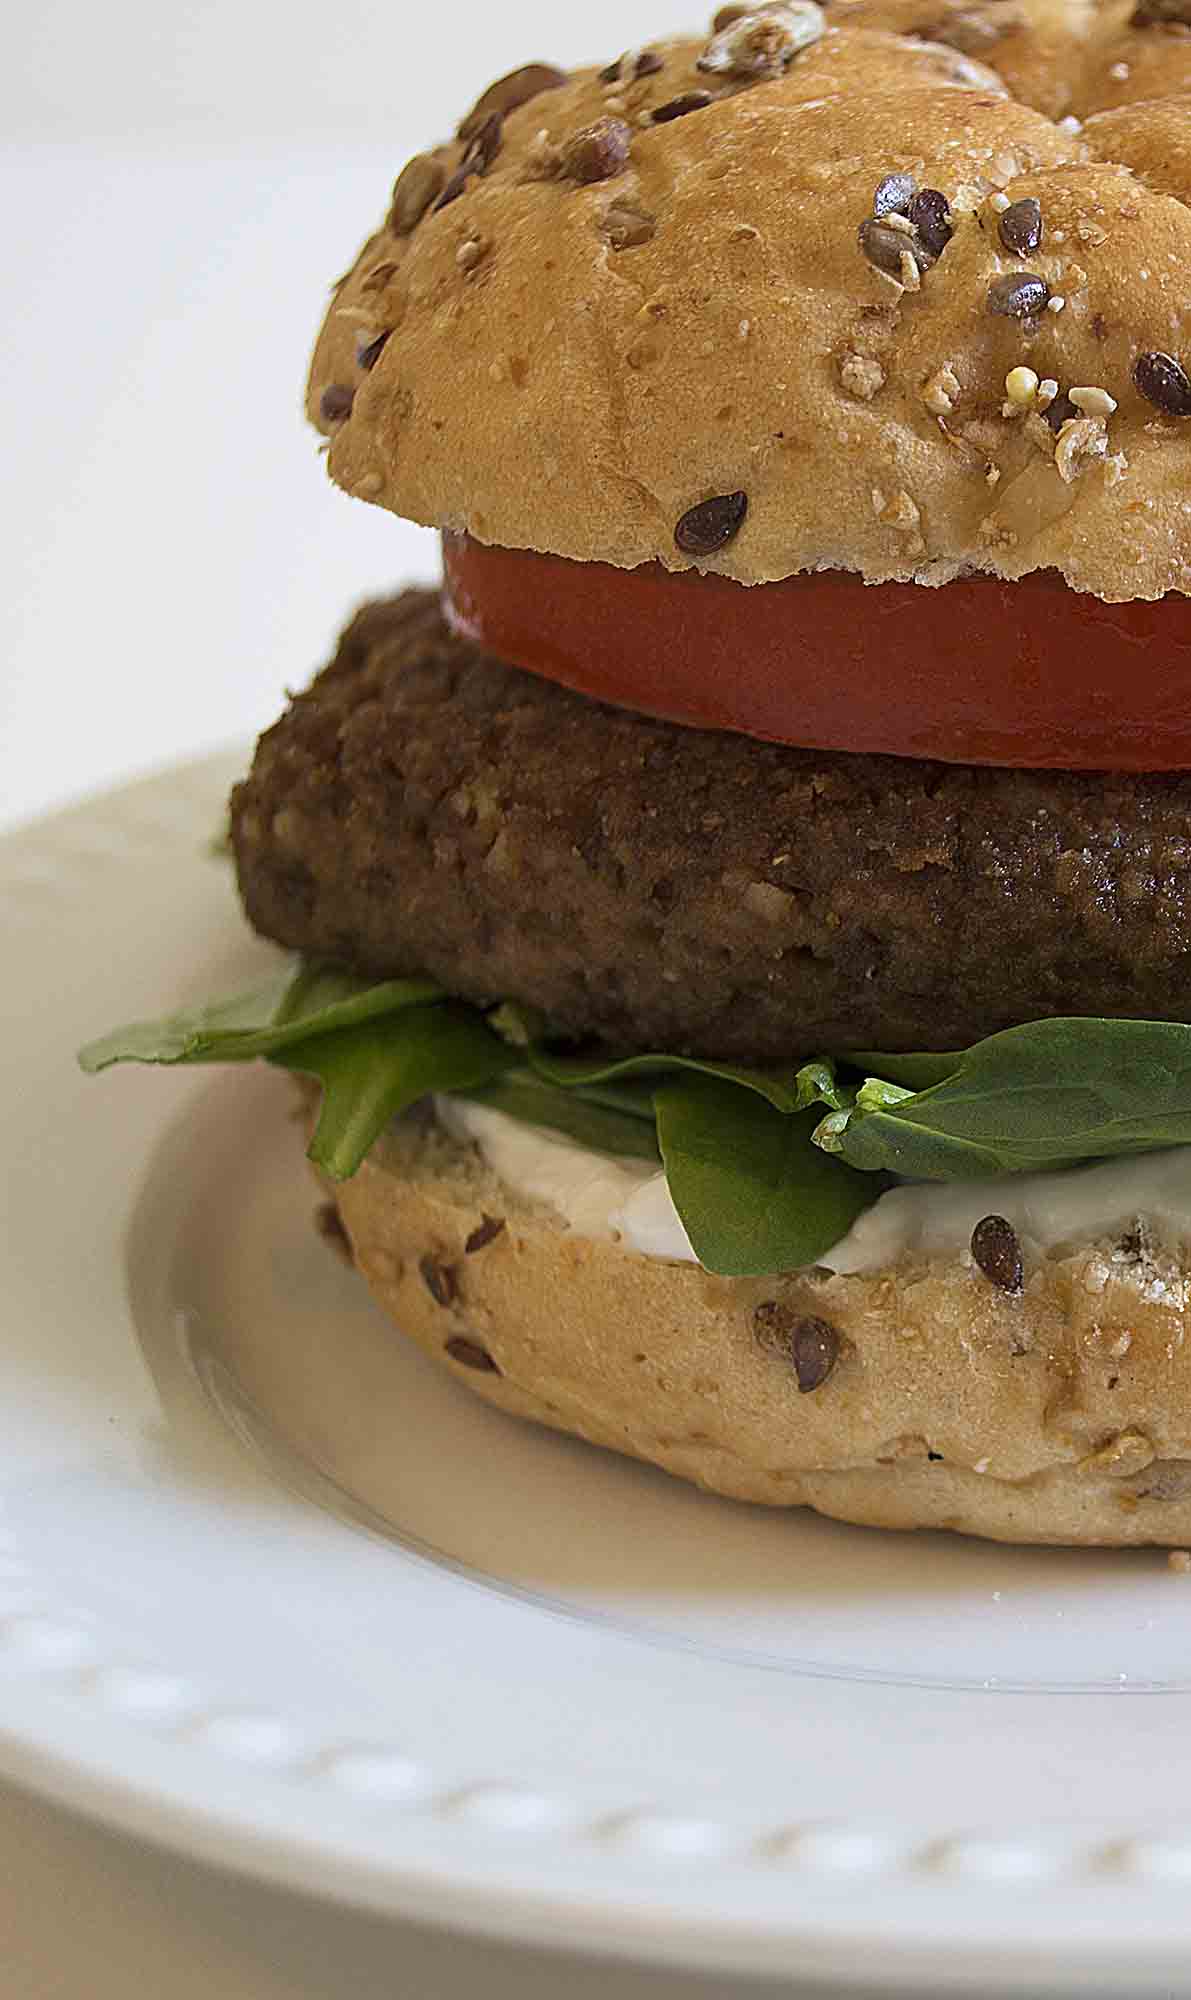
1028, 674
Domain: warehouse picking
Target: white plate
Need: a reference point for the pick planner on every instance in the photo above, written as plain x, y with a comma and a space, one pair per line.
465, 1669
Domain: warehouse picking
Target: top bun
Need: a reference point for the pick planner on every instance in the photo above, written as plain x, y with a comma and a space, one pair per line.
618, 294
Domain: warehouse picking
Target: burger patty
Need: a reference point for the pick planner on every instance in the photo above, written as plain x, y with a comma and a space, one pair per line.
425, 808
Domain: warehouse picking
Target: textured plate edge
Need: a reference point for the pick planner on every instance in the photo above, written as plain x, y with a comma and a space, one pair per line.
99, 1787
229, 1841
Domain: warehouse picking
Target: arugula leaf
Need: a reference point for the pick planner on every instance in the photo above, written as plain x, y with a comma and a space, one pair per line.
755, 1196
586, 1119
377, 1068
1046, 1095
815, 1083
286, 1009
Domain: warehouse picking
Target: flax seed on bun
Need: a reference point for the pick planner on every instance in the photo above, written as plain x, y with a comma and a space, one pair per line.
664, 282
1050, 1404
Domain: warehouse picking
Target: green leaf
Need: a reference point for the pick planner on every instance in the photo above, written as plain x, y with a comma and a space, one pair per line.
755, 1196
372, 1071
586, 1120
633, 1098
762, 1181
519, 1025
286, 1009
883, 1142
875, 1095
912, 1072
815, 1083
1046, 1095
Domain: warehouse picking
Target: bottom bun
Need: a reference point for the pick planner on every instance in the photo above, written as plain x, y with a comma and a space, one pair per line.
916, 1397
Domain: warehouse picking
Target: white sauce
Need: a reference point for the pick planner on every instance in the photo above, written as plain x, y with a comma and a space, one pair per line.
627, 1200
1047, 1210
598, 1195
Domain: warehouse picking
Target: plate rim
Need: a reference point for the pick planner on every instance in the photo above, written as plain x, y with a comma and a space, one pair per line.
979, 1962
92, 1776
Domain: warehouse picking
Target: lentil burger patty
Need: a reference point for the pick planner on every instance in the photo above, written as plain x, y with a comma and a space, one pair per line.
425, 808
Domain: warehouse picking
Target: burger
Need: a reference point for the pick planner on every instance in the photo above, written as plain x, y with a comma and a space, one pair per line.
743, 919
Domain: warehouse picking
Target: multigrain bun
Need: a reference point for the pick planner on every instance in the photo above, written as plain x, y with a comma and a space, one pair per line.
921, 1397
579, 322
1066, 58
1153, 139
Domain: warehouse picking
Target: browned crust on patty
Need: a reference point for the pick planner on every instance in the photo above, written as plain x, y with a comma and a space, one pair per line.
424, 808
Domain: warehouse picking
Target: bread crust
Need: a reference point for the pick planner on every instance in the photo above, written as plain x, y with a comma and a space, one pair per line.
1062, 1415
570, 364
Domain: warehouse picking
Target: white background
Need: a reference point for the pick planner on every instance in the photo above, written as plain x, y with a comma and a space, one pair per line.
182, 183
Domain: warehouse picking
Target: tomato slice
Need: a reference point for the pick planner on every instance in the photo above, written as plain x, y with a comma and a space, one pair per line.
1029, 674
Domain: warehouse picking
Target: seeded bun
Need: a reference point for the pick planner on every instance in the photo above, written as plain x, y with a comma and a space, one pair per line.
925, 1396
620, 294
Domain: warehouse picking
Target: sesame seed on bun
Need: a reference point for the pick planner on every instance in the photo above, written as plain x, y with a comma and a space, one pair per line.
748, 301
